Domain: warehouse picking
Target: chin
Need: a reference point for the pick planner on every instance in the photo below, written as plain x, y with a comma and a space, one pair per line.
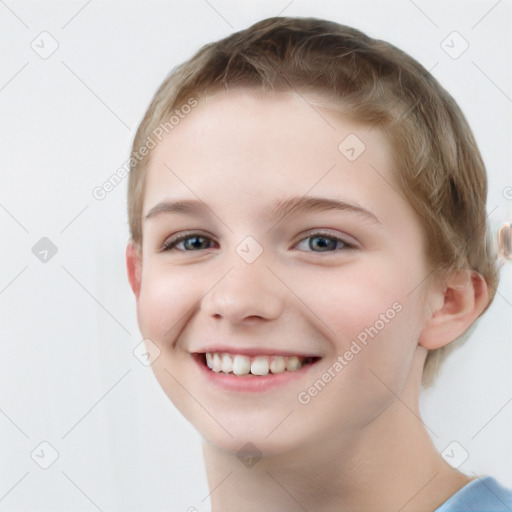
250, 443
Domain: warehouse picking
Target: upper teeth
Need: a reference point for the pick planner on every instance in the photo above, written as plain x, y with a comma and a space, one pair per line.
258, 365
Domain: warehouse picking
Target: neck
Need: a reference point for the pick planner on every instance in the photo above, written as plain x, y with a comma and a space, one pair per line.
389, 464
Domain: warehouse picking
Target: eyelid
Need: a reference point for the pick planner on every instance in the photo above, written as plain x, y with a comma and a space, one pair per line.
349, 243
183, 235
345, 238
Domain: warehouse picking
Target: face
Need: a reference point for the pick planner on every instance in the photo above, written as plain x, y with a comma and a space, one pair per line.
274, 238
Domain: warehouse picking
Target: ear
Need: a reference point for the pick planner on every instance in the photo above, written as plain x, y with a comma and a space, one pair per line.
134, 266
462, 299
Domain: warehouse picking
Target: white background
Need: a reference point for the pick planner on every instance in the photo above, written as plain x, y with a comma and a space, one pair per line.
68, 326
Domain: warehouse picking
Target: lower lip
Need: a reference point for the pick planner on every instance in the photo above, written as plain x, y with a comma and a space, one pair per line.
251, 383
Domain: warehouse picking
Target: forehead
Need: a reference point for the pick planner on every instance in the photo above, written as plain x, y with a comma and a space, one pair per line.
240, 121
245, 141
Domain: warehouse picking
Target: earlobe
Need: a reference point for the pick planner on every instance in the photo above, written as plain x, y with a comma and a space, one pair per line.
464, 298
133, 266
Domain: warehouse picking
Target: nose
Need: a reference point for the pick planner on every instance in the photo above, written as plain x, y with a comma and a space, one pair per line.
246, 293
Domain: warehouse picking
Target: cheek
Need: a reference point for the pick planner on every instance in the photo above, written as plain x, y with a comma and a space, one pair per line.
372, 314
165, 299
355, 297
375, 329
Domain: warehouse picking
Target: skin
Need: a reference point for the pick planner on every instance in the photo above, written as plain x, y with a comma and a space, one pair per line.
359, 444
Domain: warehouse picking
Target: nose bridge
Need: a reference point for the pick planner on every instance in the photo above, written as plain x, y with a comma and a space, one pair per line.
248, 289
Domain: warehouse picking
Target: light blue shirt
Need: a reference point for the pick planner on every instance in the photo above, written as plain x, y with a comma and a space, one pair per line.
485, 494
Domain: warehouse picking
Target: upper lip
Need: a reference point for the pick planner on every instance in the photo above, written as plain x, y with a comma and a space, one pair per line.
253, 351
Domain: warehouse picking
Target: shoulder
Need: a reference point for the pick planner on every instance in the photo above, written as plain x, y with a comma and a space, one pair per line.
484, 494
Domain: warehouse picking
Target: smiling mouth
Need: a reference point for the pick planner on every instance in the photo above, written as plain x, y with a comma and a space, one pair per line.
242, 365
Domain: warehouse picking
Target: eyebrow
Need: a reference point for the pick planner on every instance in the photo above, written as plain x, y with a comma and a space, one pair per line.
279, 209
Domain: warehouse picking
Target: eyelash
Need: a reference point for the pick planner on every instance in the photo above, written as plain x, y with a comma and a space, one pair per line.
170, 245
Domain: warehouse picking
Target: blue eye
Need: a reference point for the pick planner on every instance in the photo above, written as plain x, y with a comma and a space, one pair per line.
193, 241
318, 242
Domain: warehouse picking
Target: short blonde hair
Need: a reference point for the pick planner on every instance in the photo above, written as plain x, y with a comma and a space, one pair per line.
437, 163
